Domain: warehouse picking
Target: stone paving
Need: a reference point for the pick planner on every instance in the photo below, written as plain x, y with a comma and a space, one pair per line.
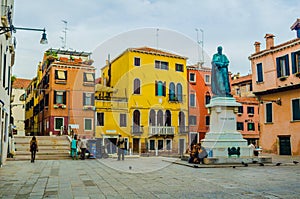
148, 177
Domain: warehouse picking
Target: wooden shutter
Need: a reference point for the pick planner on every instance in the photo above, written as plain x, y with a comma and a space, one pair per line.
278, 67
294, 68
287, 65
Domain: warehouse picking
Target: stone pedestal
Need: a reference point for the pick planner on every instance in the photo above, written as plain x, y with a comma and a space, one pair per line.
223, 133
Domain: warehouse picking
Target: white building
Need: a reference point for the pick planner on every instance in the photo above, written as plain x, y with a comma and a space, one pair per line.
6, 62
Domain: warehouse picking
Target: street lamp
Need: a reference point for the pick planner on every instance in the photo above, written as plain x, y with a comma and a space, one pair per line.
4, 29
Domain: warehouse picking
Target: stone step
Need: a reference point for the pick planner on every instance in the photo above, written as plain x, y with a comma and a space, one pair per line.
41, 157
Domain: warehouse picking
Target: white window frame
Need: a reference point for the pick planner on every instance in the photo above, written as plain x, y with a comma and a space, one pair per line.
207, 78
195, 103
163, 148
84, 121
193, 80
134, 61
171, 143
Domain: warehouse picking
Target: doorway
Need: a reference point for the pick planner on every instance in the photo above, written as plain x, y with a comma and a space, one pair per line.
181, 147
136, 146
284, 145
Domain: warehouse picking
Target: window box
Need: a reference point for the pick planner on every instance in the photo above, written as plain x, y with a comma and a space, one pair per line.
88, 108
63, 106
282, 78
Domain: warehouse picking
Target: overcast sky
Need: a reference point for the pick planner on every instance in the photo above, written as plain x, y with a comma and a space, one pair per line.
110, 26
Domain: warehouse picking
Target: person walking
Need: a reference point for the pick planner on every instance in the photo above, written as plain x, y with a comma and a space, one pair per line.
74, 147
121, 147
83, 146
33, 148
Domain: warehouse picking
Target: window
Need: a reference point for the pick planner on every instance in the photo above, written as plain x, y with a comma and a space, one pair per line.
251, 126
240, 126
207, 120
282, 64
100, 119
296, 62
160, 118
88, 124
88, 99
136, 86
207, 79
61, 74
160, 144
240, 109
193, 120
152, 144
250, 110
259, 73
192, 100
58, 123
179, 92
152, 118
59, 97
172, 96
160, 88
162, 65
123, 122
296, 109
137, 61
192, 77
179, 67
169, 144
89, 77
269, 112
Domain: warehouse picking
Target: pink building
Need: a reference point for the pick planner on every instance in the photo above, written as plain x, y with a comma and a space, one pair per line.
248, 114
276, 83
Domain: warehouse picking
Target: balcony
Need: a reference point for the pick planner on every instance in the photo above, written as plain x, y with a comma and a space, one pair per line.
161, 130
111, 103
137, 130
183, 129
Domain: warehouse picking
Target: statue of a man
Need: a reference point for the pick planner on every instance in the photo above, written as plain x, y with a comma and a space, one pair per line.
220, 85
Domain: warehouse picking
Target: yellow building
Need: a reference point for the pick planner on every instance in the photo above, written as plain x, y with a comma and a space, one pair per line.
143, 97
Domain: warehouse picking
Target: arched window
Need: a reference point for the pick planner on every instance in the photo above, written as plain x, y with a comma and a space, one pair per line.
136, 122
172, 92
160, 118
136, 86
168, 118
160, 88
136, 118
181, 119
152, 121
179, 92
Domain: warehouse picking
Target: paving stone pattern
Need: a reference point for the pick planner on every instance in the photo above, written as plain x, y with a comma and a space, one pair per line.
152, 177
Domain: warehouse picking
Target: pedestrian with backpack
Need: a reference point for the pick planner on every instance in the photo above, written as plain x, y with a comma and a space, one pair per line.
33, 148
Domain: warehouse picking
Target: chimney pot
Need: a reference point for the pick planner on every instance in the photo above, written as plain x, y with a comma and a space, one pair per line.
257, 46
269, 41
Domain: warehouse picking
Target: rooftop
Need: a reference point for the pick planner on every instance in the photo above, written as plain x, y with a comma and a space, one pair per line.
21, 83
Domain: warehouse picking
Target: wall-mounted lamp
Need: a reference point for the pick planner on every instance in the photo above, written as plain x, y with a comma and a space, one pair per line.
277, 101
4, 29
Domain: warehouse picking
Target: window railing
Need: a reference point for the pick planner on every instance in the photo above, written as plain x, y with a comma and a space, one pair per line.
161, 130
136, 130
183, 129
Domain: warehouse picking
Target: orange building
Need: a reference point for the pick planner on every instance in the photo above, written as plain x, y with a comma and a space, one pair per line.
276, 77
66, 93
199, 78
248, 114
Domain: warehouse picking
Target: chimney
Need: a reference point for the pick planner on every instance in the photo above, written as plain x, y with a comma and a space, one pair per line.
296, 26
269, 41
257, 46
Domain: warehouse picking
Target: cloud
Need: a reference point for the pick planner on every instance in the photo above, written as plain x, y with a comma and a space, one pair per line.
234, 24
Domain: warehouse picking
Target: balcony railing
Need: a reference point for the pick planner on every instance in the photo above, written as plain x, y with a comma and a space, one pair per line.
137, 130
183, 129
161, 130
111, 103
175, 98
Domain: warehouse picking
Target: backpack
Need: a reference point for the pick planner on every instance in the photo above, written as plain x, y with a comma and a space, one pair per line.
33, 146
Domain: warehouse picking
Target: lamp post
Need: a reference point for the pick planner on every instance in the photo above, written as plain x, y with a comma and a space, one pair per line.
4, 29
